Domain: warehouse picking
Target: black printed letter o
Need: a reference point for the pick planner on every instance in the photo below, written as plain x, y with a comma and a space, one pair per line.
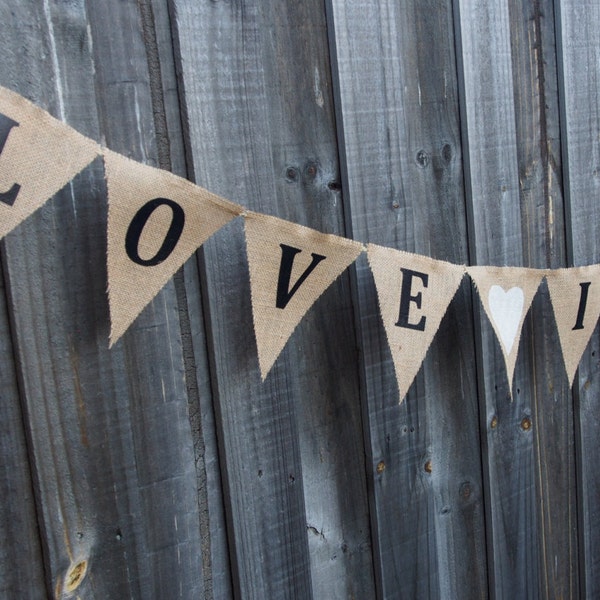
138, 223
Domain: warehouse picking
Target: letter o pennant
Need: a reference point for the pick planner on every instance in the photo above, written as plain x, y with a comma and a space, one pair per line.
136, 227
156, 221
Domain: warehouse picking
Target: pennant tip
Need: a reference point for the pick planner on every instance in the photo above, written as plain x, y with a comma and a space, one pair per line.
265, 364
116, 333
264, 371
112, 340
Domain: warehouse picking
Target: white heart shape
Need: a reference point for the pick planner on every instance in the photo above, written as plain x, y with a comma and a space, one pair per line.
506, 309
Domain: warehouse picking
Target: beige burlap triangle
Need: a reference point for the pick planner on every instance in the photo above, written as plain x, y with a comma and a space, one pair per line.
575, 297
290, 267
155, 222
506, 294
414, 293
38, 156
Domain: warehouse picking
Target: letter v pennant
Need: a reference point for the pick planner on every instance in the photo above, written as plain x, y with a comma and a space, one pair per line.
290, 267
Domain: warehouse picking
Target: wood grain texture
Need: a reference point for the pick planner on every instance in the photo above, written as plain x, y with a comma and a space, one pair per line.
493, 184
165, 468
259, 113
172, 156
535, 81
579, 51
513, 177
398, 116
21, 559
109, 431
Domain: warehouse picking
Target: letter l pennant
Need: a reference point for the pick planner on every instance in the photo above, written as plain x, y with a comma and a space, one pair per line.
39, 155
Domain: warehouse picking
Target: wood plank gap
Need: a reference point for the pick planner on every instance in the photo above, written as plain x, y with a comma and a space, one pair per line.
189, 359
206, 312
570, 255
564, 138
354, 286
476, 315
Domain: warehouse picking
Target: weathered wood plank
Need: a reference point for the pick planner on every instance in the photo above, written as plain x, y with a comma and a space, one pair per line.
579, 52
510, 132
171, 155
535, 81
21, 560
496, 234
215, 551
22, 570
398, 115
110, 432
258, 102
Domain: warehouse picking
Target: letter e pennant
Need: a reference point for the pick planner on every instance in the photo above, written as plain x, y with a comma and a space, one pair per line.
39, 155
506, 294
156, 221
575, 297
290, 267
414, 293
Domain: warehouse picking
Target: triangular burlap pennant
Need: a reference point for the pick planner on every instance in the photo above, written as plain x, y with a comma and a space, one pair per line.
575, 297
290, 267
39, 155
506, 294
414, 293
155, 222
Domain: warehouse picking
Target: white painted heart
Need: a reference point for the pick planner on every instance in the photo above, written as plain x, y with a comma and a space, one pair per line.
506, 309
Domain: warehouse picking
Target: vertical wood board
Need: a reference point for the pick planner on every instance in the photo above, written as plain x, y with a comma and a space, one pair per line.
537, 120
110, 431
489, 133
21, 559
261, 132
511, 179
398, 119
172, 156
579, 53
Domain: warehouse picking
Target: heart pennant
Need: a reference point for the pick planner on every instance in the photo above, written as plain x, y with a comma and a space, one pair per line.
506, 294
506, 309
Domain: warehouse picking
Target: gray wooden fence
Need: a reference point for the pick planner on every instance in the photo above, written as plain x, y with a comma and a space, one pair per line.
465, 130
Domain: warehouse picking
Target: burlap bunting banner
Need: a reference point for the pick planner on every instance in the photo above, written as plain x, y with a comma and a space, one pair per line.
290, 267
38, 156
575, 298
506, 294
155, 223
414, 293
157, 220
